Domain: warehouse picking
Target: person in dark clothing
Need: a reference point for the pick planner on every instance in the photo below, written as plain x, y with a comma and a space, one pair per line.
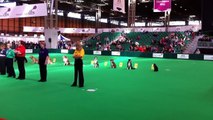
2, 61
78, 56
25, 59
3, 49
43, 61
20, 57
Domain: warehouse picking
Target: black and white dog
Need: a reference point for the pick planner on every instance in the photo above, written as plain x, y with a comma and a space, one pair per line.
129, 65
95, 62
112, 63
154, 67
66, 60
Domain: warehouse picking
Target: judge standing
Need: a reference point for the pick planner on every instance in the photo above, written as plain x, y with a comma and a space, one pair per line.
78, 67
20, 57
43, 61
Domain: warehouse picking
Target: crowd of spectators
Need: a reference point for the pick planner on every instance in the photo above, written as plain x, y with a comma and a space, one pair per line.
206, 39
65, 44
172, 43
28, 45
31, 45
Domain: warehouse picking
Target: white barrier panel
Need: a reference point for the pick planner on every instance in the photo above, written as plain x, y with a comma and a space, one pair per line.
10, 4
1, 55
33, 29
29, 50
13, 38
77, 30
126, 30
194, 28
183, 56
116, 53
33, 10
73, 48
96, 52
208, 57
157, 55
62, 30
64, 51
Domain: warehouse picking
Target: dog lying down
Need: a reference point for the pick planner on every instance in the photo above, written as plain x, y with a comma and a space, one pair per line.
36, 61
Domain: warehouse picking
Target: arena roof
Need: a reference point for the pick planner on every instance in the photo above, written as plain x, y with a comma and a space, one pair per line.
181, 9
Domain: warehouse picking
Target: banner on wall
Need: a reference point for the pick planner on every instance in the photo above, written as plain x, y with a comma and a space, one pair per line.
162, 5
32, 10
119, 5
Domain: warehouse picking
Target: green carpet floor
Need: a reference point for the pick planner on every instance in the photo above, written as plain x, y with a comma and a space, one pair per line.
181, 90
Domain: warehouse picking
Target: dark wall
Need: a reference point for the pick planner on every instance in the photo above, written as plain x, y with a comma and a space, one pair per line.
207, 15
206, 51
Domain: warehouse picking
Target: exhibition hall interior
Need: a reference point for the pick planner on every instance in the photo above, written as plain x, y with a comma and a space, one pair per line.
106, 59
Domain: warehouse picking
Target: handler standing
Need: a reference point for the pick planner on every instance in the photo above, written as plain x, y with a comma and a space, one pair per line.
78, 67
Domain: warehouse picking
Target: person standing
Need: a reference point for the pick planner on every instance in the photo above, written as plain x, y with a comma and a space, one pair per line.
2, 62
3, 49
43, 61
20, 57
10, 55
78, 67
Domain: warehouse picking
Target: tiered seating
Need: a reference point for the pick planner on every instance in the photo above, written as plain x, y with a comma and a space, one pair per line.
101, 38
145, 39
142, 38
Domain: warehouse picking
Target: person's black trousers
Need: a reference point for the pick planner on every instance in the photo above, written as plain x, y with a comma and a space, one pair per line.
10, 68
2, 66
43, 69
21, 68
79, 72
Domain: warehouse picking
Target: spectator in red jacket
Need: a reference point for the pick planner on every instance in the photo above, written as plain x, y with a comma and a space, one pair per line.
20, 57
140, 48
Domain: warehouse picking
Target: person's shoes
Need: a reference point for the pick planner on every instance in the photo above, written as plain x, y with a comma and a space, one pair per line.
81, 86
42, 81
9, 76
19, 78
14, 76
73, 85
